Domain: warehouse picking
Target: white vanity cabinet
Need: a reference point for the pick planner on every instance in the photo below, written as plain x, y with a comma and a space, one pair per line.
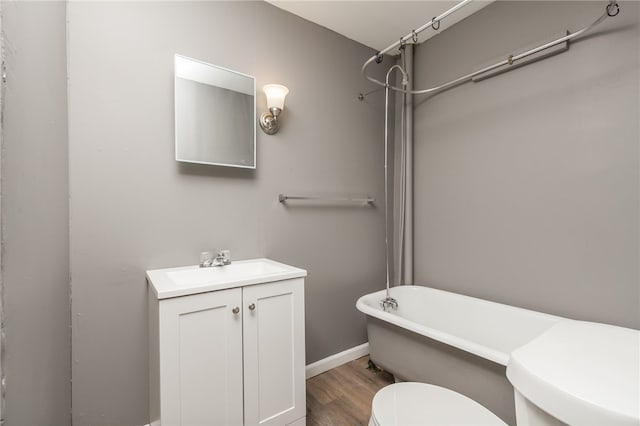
229, 355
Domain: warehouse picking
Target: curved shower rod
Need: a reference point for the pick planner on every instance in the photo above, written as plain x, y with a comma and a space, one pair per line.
611, 9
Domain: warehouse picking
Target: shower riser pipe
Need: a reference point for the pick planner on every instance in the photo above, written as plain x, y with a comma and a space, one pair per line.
407, 265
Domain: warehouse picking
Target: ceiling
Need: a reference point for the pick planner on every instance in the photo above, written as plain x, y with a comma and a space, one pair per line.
377, 23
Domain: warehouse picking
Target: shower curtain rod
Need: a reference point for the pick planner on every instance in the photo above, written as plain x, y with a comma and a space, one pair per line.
611, 9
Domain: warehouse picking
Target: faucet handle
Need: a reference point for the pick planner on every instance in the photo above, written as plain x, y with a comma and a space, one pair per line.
206, 259
224, 256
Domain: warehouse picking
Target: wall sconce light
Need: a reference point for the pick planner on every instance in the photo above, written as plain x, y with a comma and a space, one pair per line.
275, 102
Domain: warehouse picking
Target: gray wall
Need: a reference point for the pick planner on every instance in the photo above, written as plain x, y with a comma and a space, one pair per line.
527, 185
134, 208
35, 217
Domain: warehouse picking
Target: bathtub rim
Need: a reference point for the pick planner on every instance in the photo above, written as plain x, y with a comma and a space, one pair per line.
491, 354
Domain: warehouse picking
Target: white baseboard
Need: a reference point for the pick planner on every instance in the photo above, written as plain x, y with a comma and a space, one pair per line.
336, 360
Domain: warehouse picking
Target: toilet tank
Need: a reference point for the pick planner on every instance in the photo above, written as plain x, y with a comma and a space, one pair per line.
578, 373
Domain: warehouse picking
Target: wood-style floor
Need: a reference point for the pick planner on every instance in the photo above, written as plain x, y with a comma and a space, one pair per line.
343, 396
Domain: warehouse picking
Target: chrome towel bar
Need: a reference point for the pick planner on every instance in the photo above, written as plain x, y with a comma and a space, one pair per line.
359, 200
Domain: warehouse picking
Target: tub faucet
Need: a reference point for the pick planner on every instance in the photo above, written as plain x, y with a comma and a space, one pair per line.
389, 303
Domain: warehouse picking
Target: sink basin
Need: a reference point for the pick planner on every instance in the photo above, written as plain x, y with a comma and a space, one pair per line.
182, 281
224, 273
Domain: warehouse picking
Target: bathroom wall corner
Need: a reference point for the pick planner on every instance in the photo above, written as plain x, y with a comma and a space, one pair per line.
36, 361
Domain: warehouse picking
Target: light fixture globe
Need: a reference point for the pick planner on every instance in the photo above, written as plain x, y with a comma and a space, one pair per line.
275, 95
275, 102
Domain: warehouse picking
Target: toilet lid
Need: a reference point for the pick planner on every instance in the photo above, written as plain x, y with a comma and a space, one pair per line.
411, 403
581, 373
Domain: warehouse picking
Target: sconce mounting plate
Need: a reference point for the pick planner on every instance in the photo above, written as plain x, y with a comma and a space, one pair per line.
269, 121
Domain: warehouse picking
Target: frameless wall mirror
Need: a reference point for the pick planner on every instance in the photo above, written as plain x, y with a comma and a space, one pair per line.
215, 115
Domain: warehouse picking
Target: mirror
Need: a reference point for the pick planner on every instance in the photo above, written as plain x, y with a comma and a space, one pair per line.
214, 115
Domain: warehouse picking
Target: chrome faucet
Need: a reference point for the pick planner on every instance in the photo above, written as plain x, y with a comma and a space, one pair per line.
223, 257
389, 303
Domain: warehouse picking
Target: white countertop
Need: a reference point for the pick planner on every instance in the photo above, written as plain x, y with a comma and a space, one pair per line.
186, 280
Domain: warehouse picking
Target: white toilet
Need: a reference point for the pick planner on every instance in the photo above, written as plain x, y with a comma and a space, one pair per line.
577, 373
412, 404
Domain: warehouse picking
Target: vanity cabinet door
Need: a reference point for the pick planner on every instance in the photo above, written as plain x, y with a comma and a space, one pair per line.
274, 358
200, 342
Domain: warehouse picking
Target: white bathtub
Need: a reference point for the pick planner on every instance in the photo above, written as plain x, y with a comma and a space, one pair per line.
487, 329
451, 340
